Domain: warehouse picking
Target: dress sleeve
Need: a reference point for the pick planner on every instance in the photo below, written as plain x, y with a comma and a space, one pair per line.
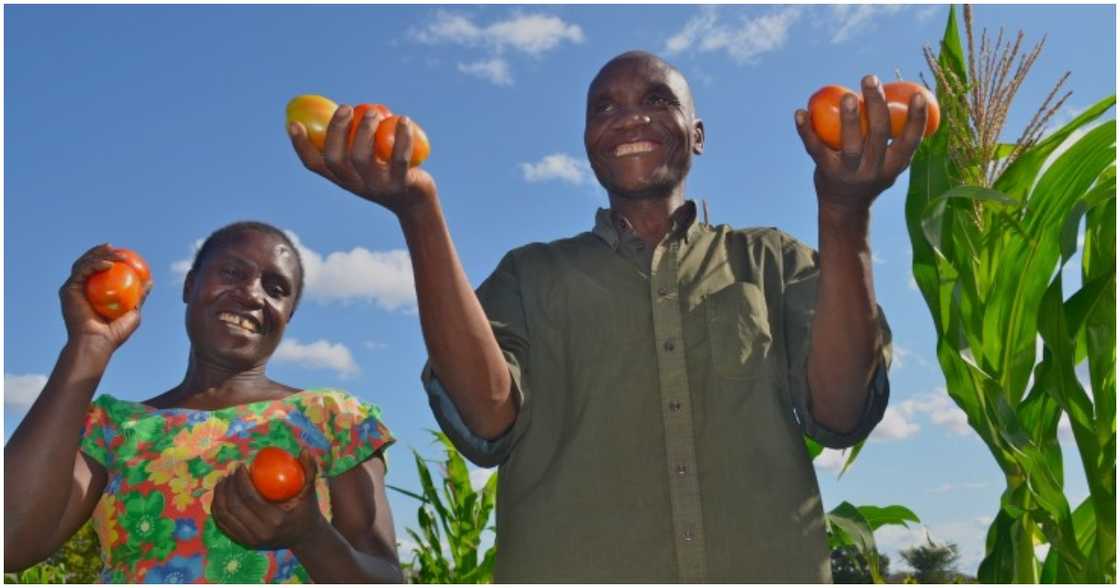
500, 296
98, 432
353, 429
799, 301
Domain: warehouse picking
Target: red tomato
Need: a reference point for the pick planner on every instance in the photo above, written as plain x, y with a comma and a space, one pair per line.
824, 113
276, 474
314, 113
115, 291
898, 102
386, 137
137, 263
359, 112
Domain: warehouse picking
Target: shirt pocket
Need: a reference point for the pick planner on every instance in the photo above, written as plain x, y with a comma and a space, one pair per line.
739, 331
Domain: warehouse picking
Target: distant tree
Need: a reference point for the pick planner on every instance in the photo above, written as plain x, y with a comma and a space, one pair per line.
933, 563
850, 567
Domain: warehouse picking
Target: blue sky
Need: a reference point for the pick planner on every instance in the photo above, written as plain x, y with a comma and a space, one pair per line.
151, 126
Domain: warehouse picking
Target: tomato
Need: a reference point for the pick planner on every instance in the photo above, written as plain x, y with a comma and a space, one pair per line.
314, 113
276, 474
824, 113
359, 112
137, 263
386, 137
898, 102
115, 291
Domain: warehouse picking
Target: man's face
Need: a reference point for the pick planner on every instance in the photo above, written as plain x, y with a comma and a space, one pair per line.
641, 132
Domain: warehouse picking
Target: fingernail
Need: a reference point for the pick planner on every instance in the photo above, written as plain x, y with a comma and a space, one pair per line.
849, 101
344, 110
799, 117
293, 129
919, 100
871, 81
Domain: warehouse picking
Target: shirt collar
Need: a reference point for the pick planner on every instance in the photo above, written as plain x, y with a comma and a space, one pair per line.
612, 227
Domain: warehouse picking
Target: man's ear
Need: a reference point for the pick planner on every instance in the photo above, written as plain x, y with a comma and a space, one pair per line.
698, 137
188, 284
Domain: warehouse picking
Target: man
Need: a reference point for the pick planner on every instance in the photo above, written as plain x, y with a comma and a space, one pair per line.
645, 386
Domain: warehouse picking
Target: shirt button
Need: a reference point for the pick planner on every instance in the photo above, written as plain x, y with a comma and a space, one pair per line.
688, 537
662, 292
674, 406
669, 345
682, 470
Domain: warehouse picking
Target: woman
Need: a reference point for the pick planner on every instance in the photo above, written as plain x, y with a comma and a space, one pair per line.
166, 480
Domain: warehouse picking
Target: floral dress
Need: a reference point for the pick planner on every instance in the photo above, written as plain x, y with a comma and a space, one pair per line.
153, 518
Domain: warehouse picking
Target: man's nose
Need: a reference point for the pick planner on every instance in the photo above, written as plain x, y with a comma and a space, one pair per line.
635, 118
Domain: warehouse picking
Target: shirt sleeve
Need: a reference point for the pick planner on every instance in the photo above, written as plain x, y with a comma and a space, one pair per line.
801, 276
500, 296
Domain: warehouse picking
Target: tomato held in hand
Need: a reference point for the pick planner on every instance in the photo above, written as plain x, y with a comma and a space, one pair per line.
117, 290
898, 102
386, 137
359, 112
824, 113
276, 474
137, 263
314, 113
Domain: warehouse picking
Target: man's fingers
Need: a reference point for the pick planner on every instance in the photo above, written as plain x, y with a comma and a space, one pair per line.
851, 139
813, 145
361, 150
878, 122
402, 150
308, 154
902, 149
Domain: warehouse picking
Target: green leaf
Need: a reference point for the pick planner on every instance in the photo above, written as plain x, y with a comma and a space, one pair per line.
877, 516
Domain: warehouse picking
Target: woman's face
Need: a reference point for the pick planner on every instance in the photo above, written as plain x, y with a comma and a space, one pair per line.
240, 299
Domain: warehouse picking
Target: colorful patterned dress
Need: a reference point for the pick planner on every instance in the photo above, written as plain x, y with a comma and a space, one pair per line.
153, 518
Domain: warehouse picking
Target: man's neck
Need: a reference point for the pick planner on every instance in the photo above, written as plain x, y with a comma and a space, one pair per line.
650, 218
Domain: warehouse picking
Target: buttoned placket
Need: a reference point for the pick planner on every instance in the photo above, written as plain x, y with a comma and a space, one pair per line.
676, 413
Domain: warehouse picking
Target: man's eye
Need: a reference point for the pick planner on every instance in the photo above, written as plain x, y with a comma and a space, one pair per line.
604, 108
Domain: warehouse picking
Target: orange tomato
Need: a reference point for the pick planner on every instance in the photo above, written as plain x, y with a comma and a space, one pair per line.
276, 474
115, 291
359, 112
386, 137
314, 113
137, 263
824, 114
898, 102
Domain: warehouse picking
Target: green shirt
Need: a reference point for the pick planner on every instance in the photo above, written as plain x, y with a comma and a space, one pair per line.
664, 398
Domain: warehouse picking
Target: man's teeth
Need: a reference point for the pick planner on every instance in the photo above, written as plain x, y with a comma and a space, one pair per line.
632, 148
233, 319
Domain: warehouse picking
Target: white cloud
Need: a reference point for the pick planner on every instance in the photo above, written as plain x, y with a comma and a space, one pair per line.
382, 277
947, 487
895, 425
940, 409
558, 166
533, 34
321, 354
494, 70
20, 391
375, 345
923, 14
850, 20
743, 41
830, 459
479, 477
902, 356
181, 267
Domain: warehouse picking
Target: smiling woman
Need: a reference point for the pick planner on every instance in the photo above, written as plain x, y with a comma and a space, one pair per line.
166, 480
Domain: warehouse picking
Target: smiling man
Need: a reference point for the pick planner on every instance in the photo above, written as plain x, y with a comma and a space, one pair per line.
646, 386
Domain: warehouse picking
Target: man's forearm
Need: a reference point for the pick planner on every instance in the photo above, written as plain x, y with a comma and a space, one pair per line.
846, 337
330, 559
462, 348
